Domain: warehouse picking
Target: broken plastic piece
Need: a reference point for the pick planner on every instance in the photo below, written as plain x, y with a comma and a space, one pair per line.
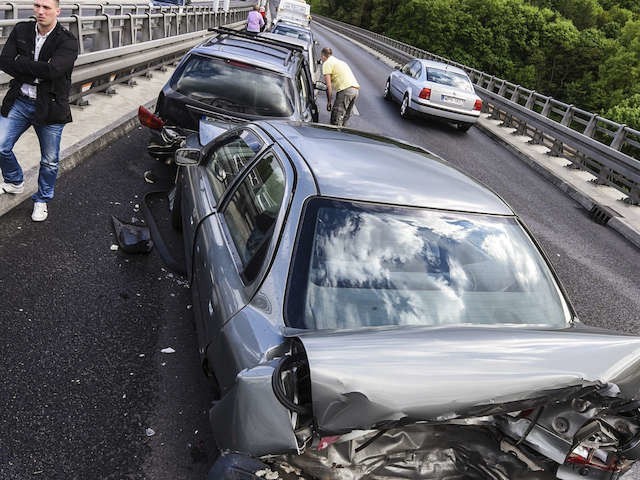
150, 432
132, 238
168, 350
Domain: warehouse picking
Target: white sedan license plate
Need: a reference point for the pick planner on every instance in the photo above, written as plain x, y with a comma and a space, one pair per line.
454, 100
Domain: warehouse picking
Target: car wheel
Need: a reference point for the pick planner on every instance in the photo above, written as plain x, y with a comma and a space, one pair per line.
405, 109
387, 90
463, 127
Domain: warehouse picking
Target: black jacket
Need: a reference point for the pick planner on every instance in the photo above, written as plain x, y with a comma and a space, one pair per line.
53, 70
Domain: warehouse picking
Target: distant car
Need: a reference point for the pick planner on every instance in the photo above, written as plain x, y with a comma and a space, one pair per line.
434, 89
237, 75
358, 324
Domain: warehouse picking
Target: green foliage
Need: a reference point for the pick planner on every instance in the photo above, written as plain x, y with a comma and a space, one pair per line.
627, 112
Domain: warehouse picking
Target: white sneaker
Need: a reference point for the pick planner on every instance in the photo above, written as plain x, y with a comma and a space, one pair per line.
6, 187
39, 212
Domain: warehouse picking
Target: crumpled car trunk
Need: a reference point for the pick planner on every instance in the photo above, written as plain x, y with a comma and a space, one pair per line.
367, 379
454, 403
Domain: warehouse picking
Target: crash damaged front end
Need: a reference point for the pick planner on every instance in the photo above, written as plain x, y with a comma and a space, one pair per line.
450, 403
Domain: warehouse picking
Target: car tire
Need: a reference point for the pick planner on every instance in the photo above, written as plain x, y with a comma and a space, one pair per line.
387, 90
463, 127
405, 107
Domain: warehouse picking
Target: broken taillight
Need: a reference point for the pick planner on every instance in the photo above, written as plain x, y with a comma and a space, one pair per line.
149, 119
586, 456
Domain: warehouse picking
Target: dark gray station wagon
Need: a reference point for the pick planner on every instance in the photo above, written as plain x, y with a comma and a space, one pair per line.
367, 311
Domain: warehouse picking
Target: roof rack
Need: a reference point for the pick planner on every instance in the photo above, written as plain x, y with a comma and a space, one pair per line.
243, 34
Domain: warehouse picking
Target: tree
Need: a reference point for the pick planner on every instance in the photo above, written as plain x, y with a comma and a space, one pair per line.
626, 112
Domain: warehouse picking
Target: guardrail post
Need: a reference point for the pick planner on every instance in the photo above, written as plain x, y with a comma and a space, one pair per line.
531, 100
557, 149
145, 33
128, 35
508, 121
537, 139
76, 29
634, 196
567, 118
103, 40
495, 113
11, 14
619, 138
492, 83
547, 107
515, 96
502, 89
521, 129
603, 176
590, 129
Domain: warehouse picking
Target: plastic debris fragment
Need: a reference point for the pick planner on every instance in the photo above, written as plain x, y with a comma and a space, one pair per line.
150, 432
132, 238
168, 350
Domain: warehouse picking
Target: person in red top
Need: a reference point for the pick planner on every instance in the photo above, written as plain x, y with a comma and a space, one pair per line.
263, 12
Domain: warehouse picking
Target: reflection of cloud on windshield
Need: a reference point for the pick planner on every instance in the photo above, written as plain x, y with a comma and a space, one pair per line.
504, 250
425, 268
367, 246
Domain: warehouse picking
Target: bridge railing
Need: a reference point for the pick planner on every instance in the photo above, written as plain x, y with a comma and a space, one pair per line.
608, 150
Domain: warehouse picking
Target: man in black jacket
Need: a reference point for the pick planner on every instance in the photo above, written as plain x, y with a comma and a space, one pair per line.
39, 56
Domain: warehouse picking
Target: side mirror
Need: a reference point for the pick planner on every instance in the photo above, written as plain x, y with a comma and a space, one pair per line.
320, 86
186, 157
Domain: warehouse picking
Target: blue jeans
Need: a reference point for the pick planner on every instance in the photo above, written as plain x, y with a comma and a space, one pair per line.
11, 129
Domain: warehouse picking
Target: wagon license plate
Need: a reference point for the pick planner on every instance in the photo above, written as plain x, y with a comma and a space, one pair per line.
454, 100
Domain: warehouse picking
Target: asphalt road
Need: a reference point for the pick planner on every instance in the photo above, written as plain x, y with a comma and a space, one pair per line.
82, 326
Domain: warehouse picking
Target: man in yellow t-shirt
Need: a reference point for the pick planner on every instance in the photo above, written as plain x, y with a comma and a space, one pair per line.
339, 77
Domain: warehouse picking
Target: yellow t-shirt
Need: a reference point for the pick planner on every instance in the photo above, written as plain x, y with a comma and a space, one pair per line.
341, 75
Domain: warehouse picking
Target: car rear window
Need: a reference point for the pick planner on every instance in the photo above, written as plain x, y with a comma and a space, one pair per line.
235, 87
292, 32
360, 265
450, 79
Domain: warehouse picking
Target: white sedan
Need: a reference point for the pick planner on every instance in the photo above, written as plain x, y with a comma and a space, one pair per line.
434, 89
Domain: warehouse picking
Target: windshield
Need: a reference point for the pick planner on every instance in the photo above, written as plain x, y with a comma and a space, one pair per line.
360, 265
450, 79
235, 87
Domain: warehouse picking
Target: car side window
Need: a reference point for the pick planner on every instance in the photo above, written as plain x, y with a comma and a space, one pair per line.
416, 68
252, 211
407, 68
227, 160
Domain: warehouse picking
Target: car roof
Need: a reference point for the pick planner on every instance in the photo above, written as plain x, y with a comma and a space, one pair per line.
441, 65
366, 167
265, 53
284, 38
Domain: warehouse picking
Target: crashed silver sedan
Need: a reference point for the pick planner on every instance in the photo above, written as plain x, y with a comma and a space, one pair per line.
367, 311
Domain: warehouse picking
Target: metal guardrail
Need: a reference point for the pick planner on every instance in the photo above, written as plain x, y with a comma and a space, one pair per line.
608, 150
116, 48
